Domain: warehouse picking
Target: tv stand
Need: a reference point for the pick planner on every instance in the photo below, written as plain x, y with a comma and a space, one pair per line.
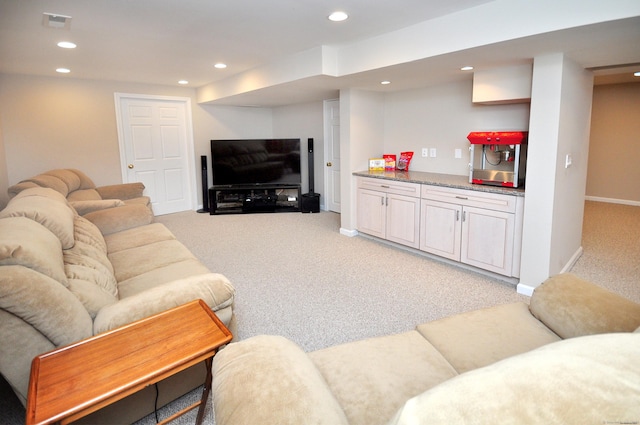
245, 199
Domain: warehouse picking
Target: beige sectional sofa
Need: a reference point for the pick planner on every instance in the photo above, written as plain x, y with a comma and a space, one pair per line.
569, 357
66, 276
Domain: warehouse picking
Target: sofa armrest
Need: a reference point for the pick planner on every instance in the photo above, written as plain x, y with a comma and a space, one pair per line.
270, 380
117, 219
213, 288
121, 191
86, 207
573, 307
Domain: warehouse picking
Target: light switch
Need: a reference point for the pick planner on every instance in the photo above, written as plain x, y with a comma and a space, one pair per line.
568, 161
432, 152
458, 153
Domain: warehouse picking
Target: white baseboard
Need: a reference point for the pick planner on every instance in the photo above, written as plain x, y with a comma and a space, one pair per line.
572, 261
525, 289
347, 232
612, 200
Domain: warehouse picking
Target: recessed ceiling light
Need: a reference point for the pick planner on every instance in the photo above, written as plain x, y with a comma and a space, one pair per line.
338, 16
67, 45
220, 65
466, 68
183, 82
63, 70
385, 82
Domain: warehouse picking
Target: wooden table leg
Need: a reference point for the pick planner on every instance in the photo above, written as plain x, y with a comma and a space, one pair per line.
205, 392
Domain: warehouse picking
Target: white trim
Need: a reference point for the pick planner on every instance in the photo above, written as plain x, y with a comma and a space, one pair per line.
525, 289
189, 129
612, 200
347, 232
572, 261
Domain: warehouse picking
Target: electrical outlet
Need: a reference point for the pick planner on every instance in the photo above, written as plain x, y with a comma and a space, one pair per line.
425, 152
432, 152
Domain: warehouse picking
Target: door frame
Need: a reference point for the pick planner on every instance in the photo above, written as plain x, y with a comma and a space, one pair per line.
191, 166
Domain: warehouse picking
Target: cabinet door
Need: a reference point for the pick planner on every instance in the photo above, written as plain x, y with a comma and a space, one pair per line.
487, 239
440, 229
371, 212
403, 220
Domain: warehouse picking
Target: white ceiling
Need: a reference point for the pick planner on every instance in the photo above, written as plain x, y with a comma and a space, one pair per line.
163, 41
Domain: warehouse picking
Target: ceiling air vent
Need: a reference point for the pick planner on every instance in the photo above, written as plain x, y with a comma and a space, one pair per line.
53, 20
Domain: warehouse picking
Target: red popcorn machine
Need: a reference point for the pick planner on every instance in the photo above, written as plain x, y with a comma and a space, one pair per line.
498, 158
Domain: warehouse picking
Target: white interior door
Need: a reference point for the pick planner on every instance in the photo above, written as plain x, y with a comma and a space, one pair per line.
156, 148
332, 154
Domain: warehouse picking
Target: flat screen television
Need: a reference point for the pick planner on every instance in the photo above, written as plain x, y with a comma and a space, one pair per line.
255, 162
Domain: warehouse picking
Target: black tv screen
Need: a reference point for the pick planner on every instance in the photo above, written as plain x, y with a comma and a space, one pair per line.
255, 161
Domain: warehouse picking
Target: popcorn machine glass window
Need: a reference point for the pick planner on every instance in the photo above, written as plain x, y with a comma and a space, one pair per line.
498, 158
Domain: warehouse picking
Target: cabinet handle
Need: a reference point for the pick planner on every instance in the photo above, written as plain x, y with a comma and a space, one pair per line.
385, 186
386, 201
461, 197
457, 215
382, 201
464, 216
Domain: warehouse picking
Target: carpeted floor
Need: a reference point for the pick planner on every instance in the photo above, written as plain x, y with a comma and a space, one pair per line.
296, 276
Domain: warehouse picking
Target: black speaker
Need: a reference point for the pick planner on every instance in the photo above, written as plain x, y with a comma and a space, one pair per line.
310, 202
205, 192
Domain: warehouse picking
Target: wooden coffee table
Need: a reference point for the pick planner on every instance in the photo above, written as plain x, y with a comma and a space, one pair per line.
70, 382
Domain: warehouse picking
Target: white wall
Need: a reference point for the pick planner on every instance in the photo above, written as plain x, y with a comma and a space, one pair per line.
614, 152
441, 117
59, 122
304, 121
560, 115
361, 138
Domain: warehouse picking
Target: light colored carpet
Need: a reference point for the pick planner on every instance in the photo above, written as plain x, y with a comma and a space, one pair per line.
296, 276
611, 243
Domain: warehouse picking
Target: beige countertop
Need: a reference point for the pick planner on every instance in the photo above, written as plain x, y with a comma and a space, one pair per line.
436, 179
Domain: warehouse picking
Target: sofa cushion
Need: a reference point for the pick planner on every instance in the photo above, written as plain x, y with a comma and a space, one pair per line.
481, 337
27, 243
43, 191
88, 269
160, 275
587, 380
121, 218
269, 380
48, 210
137, 236
45, 181
383, 371
213, 288
70, 178
572, 307
136, 261
43, 303
88, 233
84, 195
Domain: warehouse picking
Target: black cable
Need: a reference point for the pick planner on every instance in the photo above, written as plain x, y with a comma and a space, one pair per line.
155, 404
491, 163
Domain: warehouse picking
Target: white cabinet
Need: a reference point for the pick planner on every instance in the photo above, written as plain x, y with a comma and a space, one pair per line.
474, 227
389, 210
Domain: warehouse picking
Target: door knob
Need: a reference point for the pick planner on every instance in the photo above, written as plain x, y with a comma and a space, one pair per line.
329, 164
130, 166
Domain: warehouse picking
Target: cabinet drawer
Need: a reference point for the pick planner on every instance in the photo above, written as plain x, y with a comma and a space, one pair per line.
390, 186
491, 201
